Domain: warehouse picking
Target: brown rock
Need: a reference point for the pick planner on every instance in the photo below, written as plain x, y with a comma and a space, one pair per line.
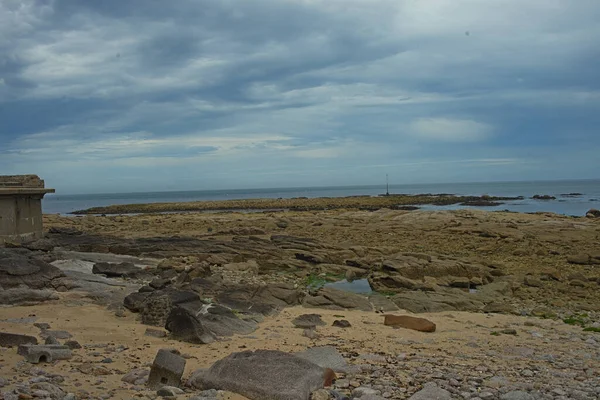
408, 322
581, 259
593, 213
532, 281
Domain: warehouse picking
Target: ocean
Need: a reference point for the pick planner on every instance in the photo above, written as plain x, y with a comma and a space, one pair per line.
568, 205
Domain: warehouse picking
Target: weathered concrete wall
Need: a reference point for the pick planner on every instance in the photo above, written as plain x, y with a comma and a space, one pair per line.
20, 217
21, 207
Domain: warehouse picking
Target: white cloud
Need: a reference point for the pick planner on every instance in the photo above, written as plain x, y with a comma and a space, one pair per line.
450, 130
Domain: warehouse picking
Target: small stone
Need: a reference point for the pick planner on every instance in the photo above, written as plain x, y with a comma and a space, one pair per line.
509, 331
310, 333
158, 333
51, 340
341, 323
3, 382
73, 344
408, 322
527, 373
169, 391
70, 396
320, 394
42, 325
342, 383
308, 321
431, 391
107, 361
364, 391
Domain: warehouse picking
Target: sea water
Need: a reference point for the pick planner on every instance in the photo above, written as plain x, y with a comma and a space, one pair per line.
569, 205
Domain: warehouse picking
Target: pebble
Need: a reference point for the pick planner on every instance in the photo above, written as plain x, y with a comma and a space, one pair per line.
169, 391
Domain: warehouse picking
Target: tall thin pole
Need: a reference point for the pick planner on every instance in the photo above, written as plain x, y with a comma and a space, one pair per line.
387, 185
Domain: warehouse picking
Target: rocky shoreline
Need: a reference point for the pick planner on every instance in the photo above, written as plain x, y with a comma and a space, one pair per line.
462, 304
372, 203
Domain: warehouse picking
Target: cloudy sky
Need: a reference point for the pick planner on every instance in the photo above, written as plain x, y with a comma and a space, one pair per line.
135, 95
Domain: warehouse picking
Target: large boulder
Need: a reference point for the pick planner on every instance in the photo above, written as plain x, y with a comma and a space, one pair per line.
265, 375
197, 322
593, 213
19, 268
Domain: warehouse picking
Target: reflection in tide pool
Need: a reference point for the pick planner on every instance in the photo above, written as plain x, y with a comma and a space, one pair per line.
357, 286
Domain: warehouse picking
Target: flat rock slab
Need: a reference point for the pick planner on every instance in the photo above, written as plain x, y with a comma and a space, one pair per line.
44, 353
408, 322
13, 339
265, 375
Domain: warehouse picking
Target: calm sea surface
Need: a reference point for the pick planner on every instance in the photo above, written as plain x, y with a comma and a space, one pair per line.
577, 205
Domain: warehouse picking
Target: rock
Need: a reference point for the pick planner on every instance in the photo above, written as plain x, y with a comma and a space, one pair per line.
364, 391
169, 391
577, 283
20, 269
308, 321
500, 308
73, 344
265, 299
3, 382
94, 370
580, 259
55, 392
15, 339
42, 325
517, 395
408, 322
320, 394
25, 296
532, 281
509, 331
326, 357
310, 333
431, 391
51, 340
335, 299
265, 374
135, 301
159, 283
341, 323
167, 369
196, 322
112, 270
543, 197
593, 213
136, 376
155, 333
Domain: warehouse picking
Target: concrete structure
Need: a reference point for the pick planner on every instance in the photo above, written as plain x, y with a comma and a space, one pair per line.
44, 353
21, 207
167, 370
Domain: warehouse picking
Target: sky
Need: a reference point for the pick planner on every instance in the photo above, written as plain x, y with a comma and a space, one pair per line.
153, 95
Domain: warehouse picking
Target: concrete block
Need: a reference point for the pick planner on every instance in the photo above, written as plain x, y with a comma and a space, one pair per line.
167, 370
15, 339
44, 353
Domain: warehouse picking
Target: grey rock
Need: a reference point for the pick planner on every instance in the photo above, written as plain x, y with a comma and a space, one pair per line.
335, 299
167, 370
155, 333
42, 325
73, 344
264, 374
517, 395
26, 296
363, 391
327, 357
55, 392
3, 382
70, 396
310, 333
14, 339
136, 375
51, 340
341, 323
196, 322
431, 391
169, 391
308, 321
